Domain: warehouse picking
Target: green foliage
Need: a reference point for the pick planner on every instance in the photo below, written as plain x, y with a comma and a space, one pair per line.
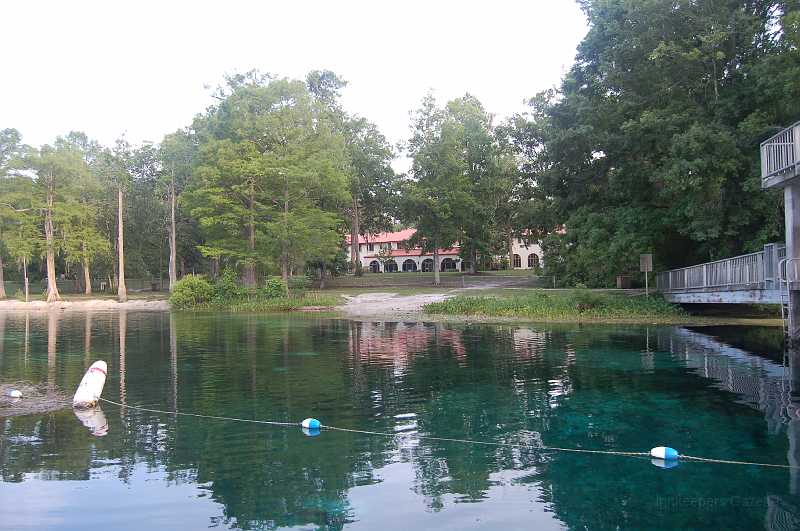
227, 287
651, 142
191, 291
299, 284
572, 305
275, 288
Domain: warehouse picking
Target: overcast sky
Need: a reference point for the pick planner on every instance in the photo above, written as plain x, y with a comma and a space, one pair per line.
142, 68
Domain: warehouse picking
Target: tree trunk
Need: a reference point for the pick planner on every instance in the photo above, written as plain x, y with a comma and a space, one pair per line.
2, 281
87, 278
122, 291
250, 266
52, 287
25, 277
322, 276
214, 268
510, 251
436, 280
355, 248
173, 275
473, 260
284, 242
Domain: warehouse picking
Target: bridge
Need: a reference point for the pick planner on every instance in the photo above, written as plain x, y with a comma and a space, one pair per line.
753, 278
770, 276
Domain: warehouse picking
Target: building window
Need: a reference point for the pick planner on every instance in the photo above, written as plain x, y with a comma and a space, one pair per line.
390, 266
533, 260
371, 247
517, 261
409, 265
448, 264
427, 265
375, 266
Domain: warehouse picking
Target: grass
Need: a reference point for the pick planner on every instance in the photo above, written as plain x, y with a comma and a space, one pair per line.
310, 299
574, 305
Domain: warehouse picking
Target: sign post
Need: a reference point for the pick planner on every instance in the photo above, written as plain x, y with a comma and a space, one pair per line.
645, 266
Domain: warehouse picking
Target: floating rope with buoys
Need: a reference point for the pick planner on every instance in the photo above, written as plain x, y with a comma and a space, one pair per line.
90, 390
310, 426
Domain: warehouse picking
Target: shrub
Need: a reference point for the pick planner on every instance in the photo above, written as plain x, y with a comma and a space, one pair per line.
227, 287
298, 285
274, 288
190, 291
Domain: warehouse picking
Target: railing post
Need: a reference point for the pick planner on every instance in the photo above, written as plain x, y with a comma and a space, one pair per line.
705, 275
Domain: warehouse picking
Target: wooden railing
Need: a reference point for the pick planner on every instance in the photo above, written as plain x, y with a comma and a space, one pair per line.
748, 271
780, 152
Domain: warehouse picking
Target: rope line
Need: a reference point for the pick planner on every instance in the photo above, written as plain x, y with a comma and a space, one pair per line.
682, 457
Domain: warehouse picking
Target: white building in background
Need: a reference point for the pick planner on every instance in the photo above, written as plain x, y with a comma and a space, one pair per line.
386, 253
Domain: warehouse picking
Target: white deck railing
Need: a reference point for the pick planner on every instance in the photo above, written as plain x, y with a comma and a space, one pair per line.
740, 272
780, 152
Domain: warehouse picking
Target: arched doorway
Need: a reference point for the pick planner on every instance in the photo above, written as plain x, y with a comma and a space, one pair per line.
533, 260
448, 264
375, 266
427, 265
409, 265
390, 266
517, 261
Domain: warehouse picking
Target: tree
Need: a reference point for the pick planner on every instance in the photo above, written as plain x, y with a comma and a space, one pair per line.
270, 177
177, 153
56, 169
651, 141
115, 167
437, 186
11, 150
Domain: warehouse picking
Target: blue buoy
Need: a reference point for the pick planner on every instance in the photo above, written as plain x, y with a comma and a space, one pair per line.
308, 432
311, 424
661, 463
664, 452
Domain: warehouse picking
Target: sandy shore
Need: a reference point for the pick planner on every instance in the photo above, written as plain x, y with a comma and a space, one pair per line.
83, 305
388, 304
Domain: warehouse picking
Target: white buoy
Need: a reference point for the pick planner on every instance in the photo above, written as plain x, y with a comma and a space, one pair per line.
94, 419
91, 386
311, 424
664, 452
13, 393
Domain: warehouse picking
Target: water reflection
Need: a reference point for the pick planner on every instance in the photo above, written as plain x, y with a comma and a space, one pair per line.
593, 387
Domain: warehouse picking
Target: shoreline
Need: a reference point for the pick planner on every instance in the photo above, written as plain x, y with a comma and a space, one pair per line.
83, 305
387, 306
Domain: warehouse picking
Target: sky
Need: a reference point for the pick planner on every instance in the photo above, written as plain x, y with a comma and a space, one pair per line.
144, 68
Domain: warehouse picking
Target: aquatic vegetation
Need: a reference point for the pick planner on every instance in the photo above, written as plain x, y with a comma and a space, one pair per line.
562, 305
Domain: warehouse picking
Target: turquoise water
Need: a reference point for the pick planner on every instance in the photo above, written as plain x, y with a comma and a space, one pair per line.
598, 387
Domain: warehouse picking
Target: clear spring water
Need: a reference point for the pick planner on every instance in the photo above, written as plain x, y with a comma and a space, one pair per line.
602, 387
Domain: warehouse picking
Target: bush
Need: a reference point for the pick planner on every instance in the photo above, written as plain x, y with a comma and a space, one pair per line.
227, 287
298, 285
190, 291
275, 288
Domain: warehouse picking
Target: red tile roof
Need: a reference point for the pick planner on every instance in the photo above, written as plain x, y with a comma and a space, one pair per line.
413, 252
385, 237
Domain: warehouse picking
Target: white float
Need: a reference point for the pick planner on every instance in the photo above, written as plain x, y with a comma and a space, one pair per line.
664, 452
94, 419
311, 424
14, 393
91, 386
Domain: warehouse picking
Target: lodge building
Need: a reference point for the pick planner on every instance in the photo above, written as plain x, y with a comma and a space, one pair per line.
386, 253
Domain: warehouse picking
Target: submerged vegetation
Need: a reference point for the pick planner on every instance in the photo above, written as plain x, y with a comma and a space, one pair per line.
574, 305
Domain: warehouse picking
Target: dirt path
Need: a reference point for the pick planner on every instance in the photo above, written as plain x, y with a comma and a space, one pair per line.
389, 304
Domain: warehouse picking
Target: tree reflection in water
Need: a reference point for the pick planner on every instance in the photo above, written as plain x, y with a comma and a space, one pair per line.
591, 387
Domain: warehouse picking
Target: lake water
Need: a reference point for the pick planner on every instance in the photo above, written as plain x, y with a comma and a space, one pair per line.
726, 393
